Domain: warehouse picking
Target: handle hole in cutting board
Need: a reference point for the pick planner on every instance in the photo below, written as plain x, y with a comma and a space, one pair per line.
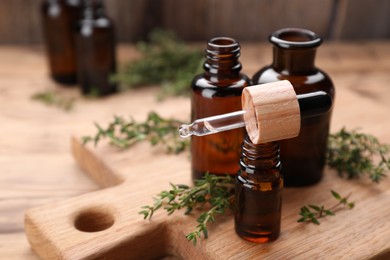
94, 220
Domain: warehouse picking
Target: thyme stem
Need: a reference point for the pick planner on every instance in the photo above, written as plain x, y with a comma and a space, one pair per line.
215, 191
354, 154
52, 98
165, 61
312, 212
124, 133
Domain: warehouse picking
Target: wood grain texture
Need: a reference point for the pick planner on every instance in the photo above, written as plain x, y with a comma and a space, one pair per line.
256, 20
249, 20
362, 19
273, 112
20, 22
36, 166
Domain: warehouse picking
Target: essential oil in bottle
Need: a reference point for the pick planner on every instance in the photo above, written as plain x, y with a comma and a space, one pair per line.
96, 58
258, 191
58, 18
294, 53
218, 91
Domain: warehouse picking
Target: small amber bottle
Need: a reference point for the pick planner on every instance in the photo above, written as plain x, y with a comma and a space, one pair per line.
294, 53
96, 57
59, 17
258, 191
218, 91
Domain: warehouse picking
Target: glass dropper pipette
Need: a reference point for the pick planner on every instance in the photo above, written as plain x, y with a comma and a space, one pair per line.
310, 104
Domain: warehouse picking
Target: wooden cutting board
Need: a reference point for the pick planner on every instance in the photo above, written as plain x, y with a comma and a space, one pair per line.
105, 224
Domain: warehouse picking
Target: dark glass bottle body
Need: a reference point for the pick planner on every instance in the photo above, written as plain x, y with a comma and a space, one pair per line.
259, 185
294, 52
59, 18
96, 45
218, 91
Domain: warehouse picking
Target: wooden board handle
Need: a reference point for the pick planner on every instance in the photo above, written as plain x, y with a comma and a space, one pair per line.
273, 112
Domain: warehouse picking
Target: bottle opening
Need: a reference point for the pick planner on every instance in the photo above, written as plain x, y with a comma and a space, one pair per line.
295, 38
223, 42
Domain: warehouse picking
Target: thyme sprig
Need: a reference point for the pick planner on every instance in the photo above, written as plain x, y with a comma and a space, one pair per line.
52, 98
124, 133
311, 213
354, 154
213, 192
165, 61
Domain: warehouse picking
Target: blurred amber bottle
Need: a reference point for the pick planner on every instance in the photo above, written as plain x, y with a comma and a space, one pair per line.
218, 91
96, 57
294, 52
259, 185
59, 17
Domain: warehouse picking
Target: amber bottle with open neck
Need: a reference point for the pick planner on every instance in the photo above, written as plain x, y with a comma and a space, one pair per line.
218, 91
96, 57
294, 52
258, 192
59, 17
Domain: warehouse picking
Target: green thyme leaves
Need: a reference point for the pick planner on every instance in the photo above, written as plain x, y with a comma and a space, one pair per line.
52, 98
354, 154
165, 61
215, 193
312, 213
124, 133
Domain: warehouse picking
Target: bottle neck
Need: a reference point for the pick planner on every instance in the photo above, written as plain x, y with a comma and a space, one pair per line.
294, 51
294, 61
260, 158
74, 3
222, 55
94, 9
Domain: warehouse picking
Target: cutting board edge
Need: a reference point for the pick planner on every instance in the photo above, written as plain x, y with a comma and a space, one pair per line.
96, 168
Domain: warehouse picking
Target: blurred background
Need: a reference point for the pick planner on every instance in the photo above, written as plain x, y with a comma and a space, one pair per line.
199, 20
36, 166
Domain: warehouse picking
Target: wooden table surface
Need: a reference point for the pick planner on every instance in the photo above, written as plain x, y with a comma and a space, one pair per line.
36, 166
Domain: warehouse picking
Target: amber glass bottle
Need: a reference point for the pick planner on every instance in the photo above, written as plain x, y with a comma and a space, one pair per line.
59, 17
294, 52
218, 91
96, 57
258, 190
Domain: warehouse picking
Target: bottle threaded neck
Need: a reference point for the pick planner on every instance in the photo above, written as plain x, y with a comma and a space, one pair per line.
260, 157
222, 55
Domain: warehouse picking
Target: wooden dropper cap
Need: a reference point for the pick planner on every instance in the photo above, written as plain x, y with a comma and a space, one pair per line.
272, 112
